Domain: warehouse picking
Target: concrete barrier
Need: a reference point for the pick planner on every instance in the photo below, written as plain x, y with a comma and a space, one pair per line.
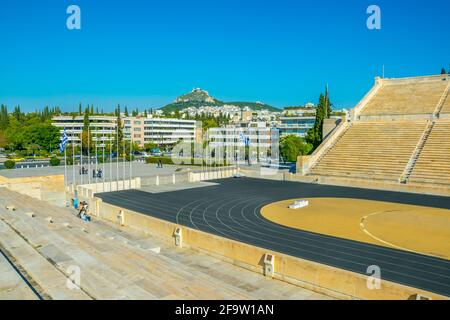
310, 275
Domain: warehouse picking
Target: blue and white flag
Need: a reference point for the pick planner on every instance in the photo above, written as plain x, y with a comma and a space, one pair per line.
244, 139
64, 141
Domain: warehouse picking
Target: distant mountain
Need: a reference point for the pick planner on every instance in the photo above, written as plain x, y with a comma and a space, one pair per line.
198, 98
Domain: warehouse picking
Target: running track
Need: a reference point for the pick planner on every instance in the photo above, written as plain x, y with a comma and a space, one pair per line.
231, 209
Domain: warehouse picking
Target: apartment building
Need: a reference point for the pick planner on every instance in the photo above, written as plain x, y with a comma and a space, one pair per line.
161, 131
257, 136
102, 128
297, 126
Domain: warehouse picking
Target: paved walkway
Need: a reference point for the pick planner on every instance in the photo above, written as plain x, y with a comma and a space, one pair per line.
12, 286
138, 169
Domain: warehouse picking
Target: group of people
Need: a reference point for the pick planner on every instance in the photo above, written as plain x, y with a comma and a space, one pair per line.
96, 173
82, 211
83, 170
82, 208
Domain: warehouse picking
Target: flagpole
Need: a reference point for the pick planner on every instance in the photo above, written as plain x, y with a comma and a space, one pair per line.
89, 151
103, 157
73, 153
124, 163
65, 167
110, 162
96, 157
131, 157
81, 157
117, 161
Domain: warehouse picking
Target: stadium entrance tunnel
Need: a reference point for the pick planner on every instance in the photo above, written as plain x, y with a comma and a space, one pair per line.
412, 228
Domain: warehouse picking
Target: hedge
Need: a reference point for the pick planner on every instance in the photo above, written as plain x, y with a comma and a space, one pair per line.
9, 164
69, 161
55, 162
184, 161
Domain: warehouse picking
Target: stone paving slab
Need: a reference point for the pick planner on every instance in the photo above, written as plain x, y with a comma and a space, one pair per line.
12, 286
44, 273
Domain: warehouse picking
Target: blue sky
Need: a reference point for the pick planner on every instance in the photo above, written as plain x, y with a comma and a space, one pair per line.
144, 53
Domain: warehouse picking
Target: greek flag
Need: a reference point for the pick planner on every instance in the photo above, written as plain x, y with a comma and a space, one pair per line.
64, 141
244, 139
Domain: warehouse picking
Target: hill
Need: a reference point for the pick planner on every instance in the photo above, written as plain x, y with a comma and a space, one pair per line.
201, 98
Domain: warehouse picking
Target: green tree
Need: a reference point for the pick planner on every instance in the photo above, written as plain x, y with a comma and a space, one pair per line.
149, 146
86, 135
4, 117
323, 111
3, 140
118, 137
292, 146
209, 123
42, 134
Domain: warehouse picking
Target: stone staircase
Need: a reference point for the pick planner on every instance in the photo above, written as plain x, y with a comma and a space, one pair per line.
413, 98
372, 150
412, 161
117, 263
433, 163
443, 105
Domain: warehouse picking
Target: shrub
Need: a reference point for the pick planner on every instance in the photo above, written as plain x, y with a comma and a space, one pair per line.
54, 161
129, 157
164, 160
69, 161
182, 161
9, 164
102, 159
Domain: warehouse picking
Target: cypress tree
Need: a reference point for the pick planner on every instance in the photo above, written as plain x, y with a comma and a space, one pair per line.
323, 111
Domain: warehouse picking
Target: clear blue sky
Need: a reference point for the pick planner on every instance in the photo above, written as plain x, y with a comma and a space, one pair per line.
144, 53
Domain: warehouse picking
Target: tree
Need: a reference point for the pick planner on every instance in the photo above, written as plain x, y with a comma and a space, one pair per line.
3, 140
443, 71
86, 136
4, 117
149, 146
209, 123
118, 137
80, 112
292, 146
323, 111
126, 111
43, 135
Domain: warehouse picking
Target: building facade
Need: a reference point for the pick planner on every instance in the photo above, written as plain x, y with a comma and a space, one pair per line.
160, 131
232, 140
297, 126
102, 128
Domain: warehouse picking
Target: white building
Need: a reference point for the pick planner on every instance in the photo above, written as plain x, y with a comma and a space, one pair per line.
233, 139
161, 131
297, 126
102, 128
